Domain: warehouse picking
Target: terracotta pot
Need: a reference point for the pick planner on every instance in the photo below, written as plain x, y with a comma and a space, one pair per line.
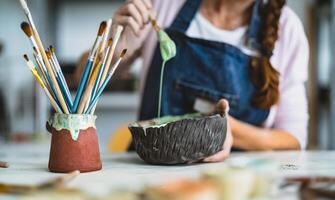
74, 143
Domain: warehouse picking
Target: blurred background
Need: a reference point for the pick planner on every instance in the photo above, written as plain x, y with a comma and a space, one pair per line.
71, 25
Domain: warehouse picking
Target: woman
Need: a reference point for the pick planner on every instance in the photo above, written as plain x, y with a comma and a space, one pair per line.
250, 53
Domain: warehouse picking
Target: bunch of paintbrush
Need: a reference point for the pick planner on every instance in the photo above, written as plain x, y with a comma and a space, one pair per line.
97, 72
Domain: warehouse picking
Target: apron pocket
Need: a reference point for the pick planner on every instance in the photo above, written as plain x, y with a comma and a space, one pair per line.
186, 93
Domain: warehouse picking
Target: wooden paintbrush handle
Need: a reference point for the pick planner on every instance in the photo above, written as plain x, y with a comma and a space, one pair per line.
84, 99
89, 88
154, 24
52, 75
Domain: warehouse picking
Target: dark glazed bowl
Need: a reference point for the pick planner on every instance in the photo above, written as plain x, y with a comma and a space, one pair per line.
179, 140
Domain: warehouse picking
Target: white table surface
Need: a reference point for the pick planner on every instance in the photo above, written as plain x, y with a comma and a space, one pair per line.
28, 165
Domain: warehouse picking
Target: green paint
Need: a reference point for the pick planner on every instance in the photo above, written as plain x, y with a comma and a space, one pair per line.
72, 122
168, 51
163, 121
160, 90
167, 46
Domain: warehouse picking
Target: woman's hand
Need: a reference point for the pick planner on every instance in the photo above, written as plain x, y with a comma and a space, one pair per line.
223, 109
134, 15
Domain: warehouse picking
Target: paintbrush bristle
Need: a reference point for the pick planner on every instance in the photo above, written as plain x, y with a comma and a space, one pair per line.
123, 53
47, 52
26, 29
35, 50
25, 56
110, 41
102, 28
29, 63
52, 50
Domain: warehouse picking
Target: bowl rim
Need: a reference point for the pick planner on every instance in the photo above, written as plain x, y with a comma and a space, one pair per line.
139, 124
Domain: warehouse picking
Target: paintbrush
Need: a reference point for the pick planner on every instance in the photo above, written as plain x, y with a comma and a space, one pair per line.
27, 30
45, 75
61, 86
41, 83
27, 13
102, 45
154, 24
114, 41
4, 164
104, 41
42, 52
48, 185
104, 84
99, 76
61, 83
89, 88
117, 36
111, 53
103, 66
88, 67
166, 44
59, 70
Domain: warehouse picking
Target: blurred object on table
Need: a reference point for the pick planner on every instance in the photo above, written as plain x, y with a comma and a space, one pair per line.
4, 164
4, 126
52, 184
184, 190
314, 187
238, 180
120, 140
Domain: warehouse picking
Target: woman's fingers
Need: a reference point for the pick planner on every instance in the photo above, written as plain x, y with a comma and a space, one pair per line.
130, 10
138, 10
135, 14
130, 22
147, 3
222, 107
143, 10
220, 156
224, 153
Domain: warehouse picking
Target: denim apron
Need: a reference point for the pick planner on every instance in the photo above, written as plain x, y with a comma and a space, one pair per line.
203, 69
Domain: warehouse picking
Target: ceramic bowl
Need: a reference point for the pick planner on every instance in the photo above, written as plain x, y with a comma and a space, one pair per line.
178, 140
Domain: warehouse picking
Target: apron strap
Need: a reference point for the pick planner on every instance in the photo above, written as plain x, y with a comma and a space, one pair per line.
186, 15
254, 34
191, 7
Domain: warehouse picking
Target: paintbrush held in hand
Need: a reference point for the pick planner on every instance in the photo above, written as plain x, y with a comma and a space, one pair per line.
50, 77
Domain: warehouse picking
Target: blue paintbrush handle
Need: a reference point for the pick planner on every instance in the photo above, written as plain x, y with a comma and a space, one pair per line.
82, 85
60, 74
99, 92
97, 81
63, 90
53, 91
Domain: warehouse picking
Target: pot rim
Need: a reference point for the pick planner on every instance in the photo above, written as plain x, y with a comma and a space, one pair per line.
76, 115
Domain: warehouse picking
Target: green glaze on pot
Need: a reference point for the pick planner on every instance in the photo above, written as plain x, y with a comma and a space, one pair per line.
168, 51
72, 122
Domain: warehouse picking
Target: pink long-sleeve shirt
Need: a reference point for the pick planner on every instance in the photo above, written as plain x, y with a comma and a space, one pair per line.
290, 59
